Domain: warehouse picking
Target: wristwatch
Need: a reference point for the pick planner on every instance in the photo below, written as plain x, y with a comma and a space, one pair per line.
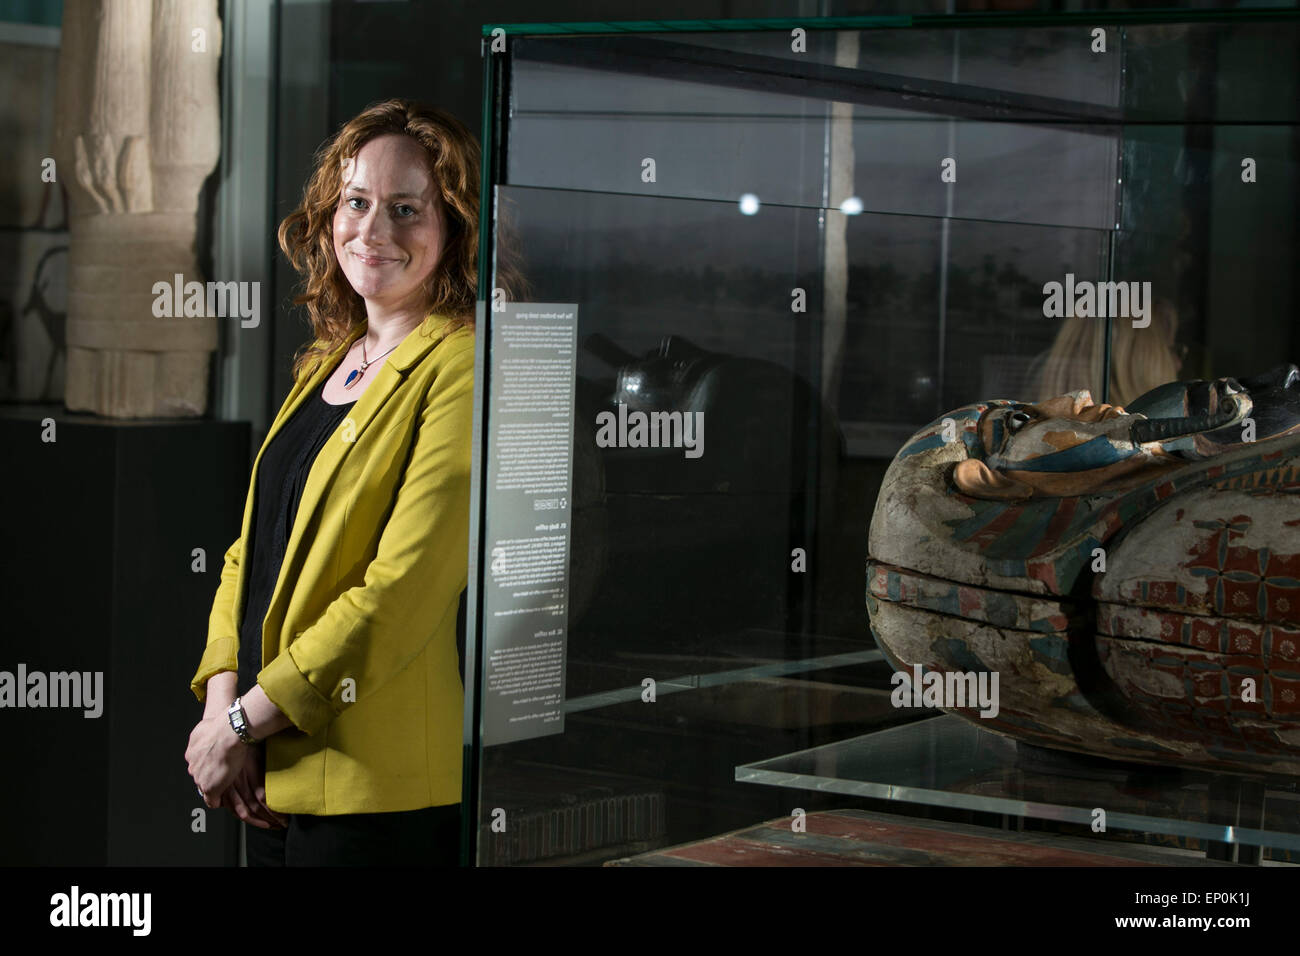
239, 721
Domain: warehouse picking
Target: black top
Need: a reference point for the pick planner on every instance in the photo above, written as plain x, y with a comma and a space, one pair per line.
281, 477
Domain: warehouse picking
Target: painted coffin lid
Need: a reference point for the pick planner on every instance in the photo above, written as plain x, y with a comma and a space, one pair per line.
1198, 615
959, 583
1043, 544
1230, 549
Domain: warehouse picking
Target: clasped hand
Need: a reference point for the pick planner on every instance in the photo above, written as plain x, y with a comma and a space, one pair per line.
229, 772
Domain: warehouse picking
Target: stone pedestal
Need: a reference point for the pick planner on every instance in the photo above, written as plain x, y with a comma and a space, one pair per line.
100, 564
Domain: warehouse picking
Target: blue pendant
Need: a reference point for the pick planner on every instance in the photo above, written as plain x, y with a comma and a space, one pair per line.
352, 378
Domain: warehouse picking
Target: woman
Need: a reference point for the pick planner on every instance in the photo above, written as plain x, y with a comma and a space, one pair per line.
332, 724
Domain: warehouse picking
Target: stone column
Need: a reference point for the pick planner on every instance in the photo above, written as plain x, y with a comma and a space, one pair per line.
137, 131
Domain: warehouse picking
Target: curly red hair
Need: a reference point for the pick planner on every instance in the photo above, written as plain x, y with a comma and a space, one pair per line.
307, 234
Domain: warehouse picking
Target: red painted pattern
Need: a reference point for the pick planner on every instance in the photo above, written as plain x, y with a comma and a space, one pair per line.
844, 839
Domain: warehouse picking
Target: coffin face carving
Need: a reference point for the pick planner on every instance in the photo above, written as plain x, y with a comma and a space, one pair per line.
1071, 446
1064, 446
1132, 576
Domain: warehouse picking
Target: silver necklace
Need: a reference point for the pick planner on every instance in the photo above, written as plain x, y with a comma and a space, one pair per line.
354, 376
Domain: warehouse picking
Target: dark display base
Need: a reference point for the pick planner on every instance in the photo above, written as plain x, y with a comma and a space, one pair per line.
100, 565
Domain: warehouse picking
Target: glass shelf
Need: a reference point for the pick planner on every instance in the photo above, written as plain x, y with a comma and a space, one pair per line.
947, 762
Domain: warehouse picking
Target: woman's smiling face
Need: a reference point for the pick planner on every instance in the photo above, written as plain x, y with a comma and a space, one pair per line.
389, 225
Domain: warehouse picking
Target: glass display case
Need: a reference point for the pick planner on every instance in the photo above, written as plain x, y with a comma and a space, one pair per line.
728, 270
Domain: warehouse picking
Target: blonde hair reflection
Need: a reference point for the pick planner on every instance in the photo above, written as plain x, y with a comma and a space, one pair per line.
1140, 359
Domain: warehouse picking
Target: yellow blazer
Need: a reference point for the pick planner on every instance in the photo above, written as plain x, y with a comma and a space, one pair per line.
359, 642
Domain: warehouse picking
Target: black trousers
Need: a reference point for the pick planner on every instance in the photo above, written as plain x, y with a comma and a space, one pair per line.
428, 837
